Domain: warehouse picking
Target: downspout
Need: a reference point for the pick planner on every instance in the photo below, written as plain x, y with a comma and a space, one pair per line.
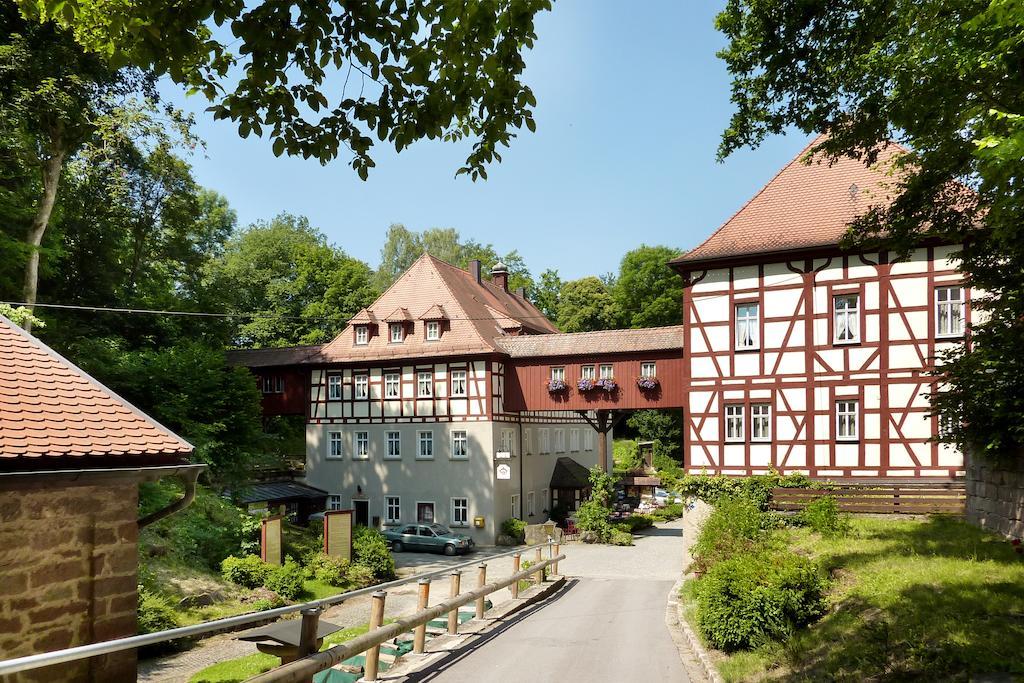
189, 478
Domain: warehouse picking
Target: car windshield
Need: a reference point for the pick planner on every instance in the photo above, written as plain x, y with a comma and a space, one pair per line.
440, 529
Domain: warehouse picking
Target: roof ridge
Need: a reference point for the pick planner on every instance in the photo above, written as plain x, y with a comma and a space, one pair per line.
40, 345
747, 203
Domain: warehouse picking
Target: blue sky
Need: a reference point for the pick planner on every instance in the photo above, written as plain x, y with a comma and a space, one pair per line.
631, 102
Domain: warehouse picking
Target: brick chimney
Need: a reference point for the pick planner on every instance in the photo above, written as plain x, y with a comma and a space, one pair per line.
474, 269
499, 275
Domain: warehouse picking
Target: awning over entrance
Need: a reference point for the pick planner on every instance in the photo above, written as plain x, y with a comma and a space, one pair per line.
569, 474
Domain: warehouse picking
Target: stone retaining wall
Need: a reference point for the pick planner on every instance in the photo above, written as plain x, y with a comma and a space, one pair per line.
995, 496
68, 564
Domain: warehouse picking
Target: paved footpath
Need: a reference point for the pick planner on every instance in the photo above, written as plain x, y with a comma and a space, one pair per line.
607, 625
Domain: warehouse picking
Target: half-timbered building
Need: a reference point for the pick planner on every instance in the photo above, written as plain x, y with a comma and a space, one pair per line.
803, 357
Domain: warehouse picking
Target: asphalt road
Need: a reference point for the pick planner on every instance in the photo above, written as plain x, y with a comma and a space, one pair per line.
607, 625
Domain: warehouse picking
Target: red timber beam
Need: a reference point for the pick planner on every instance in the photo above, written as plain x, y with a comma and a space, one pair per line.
603, 422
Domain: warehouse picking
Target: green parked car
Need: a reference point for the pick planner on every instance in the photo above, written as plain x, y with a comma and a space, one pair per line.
428, 537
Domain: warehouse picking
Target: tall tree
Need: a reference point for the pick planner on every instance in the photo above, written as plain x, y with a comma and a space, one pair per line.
585, 305
647, 292
301, 288
407, 70
943, 77
547, 293
53, 94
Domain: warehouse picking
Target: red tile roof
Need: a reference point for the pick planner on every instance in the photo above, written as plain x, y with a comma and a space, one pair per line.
599, 342
55, 416
806, 205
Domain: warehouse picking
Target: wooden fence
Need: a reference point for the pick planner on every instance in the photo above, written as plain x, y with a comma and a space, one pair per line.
915, 498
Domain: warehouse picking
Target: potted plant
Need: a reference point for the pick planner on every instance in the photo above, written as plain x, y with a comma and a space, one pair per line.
647, 383
557, 386
585, 384
606, 383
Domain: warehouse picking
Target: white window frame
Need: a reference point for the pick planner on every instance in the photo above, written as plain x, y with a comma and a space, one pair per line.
760, 422
527, 441
460, 444
648, 369
393, 438
735, 415
531, 503
545, 502
847, 419
574, 440
361, 386
508, 441
389, 509
545, 440
850, 317
748, 325
433, 330
394, 328
455, 522
362, 335
516, 514
392, 385
424, 384
588, 439
335, 439
606, 371
335, 387
558, 372
587, 372
559, 441
950, 306
459, 383
361, 445
334, 502
424, 437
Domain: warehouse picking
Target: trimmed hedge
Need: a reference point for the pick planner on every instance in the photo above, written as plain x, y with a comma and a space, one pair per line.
288, 580
371, 549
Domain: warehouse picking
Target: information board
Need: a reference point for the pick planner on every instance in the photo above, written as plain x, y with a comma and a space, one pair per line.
338, 534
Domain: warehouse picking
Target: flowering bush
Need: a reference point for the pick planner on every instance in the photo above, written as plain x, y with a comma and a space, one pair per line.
585, 384
557, 385
608, 384
647, 383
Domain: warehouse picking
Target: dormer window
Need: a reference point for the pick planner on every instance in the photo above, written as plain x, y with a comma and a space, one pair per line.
397, 333
433, 330
362, 334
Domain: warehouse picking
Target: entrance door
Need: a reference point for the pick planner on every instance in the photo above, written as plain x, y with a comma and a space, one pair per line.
425, 513
362, 510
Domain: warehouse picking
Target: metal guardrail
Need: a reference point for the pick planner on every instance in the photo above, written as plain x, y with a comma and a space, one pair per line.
72, 654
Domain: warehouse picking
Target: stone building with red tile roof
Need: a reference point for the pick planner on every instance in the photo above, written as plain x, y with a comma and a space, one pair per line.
72, 454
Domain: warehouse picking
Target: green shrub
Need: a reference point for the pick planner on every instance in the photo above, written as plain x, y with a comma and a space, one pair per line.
822, 515
635, 523
748, 600
359, 576
370, 549
249, 571
514, 529
757, 489
263, 604
667, 513
735, 526
620, 537
592, 520
329, 570
155, 612
288, 580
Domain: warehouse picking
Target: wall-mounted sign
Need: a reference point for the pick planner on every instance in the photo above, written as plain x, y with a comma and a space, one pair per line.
502, 455
504, 471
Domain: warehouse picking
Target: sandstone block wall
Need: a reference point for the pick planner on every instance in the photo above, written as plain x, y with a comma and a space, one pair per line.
68, 565
995, 495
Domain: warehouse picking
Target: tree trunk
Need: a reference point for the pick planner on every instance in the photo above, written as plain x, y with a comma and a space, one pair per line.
51, 179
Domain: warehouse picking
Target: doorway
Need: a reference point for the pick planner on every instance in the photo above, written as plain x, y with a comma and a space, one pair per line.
362, 512
425, 513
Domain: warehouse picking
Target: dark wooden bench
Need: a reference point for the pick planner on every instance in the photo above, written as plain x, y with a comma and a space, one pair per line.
883, 497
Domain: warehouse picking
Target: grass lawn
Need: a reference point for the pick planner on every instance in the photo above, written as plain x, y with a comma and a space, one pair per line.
246, 667
930, 598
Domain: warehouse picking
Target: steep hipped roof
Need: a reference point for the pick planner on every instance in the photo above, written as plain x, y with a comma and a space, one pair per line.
569, 474
585, 343
263, 358
478, 313
55, 416
806, 205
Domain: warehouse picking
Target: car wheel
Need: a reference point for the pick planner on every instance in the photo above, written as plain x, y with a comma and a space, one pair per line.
396, 546
449, 550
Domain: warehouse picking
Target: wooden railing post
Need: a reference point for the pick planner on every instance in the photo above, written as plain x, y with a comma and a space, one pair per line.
538, 578
554, 565
453, 616
307, 632
376, 619
514, 586
481, 581
419, 640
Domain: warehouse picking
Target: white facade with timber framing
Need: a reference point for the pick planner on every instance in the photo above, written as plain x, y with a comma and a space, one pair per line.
805, 358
